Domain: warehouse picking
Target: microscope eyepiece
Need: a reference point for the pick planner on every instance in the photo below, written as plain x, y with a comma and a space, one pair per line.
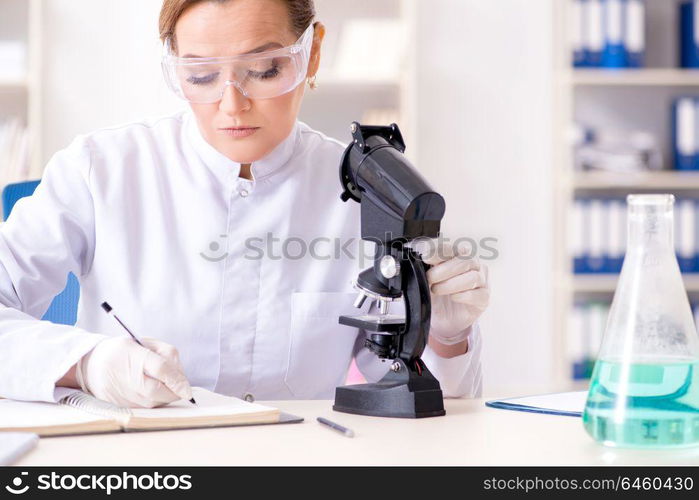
397, 202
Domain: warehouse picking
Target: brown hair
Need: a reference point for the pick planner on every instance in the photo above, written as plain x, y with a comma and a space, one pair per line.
301, 13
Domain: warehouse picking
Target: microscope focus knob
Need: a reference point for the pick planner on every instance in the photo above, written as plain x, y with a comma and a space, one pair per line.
389, 266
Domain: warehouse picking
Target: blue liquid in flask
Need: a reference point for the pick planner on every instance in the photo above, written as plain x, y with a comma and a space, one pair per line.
644, 405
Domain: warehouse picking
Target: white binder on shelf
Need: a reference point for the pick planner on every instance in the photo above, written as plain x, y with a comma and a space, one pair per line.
685, 236
635, 32
686, 131
593, 34
616, 234
597, 250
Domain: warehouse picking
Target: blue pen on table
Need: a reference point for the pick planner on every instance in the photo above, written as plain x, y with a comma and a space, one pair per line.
339, 428
108, 309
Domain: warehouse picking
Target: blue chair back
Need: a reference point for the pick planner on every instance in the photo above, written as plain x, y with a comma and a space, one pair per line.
64, 308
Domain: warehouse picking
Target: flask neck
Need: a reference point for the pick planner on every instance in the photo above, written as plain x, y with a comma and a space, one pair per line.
650, 224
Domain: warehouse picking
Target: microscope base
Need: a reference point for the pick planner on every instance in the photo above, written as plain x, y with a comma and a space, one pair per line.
392, 398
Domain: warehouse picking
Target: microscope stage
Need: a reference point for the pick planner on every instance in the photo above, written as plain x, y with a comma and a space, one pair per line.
391, 323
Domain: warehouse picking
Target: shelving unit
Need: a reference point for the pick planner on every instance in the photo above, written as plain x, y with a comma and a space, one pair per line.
667, 180
600, 284
13, 83
622, 98
665, 77
21, 96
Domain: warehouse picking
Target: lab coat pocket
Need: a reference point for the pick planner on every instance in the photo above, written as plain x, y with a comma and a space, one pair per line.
320, 349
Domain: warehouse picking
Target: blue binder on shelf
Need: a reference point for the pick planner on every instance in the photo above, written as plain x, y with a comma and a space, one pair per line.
608, 33
568, 404
689, 49
614, 52
685, 133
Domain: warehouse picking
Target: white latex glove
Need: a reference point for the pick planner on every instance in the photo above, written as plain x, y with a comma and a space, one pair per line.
459, 288
120, 371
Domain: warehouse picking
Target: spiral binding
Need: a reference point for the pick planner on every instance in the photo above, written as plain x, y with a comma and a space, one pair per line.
91, 404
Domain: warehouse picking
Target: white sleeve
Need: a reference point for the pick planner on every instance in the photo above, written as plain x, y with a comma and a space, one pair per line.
460, 376
47, 236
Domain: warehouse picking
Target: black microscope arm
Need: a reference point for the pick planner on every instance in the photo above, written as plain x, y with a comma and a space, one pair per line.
416, 294
397, 206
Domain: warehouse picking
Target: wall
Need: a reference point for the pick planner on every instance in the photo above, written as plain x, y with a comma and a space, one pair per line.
101, 66
484, 125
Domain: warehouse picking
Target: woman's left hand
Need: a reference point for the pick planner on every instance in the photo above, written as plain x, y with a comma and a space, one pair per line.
459, 289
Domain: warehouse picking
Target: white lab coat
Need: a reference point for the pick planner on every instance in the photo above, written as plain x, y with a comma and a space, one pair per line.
154, 220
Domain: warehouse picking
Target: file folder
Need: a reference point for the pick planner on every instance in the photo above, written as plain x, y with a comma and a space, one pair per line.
569, 404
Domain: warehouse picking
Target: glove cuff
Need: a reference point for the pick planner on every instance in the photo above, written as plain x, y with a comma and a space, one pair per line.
456, 339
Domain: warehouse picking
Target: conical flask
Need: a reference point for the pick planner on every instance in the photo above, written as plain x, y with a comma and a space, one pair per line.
644, 391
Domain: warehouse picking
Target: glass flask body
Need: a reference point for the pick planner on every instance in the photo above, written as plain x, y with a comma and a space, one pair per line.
644, 390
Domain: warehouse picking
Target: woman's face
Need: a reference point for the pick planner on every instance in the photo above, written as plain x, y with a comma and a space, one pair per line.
210, 29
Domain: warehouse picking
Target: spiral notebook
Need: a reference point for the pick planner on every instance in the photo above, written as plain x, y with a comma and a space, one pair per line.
80, 413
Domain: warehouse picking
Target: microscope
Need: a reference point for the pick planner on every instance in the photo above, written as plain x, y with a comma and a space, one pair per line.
397, 207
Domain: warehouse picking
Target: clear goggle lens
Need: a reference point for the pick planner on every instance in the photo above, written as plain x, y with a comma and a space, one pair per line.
256, 76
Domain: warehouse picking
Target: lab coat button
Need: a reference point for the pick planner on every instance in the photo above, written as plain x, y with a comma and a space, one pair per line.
244, 192
249, 397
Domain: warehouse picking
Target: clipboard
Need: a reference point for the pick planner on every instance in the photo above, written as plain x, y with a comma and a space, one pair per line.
567, 404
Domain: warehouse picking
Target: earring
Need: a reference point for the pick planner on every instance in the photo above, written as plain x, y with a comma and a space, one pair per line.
311, 81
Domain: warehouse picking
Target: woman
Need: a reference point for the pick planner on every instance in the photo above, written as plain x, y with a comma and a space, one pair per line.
173, 221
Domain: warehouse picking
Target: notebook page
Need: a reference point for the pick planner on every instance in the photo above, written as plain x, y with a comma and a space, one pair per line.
14, 414
208, 404
50, 419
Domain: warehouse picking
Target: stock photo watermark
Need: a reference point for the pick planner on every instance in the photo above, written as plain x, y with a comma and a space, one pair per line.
325, 248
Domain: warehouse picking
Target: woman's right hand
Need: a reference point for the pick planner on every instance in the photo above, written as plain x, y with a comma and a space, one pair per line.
120, 371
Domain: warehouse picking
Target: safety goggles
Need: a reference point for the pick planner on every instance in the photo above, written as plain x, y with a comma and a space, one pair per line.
260, 75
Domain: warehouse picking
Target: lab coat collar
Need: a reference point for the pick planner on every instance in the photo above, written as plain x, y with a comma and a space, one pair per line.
225, 168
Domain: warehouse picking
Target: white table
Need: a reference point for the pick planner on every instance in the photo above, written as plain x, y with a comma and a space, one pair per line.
470, 434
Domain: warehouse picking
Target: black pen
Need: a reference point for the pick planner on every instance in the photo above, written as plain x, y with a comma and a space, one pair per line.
108, 309
339, 428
